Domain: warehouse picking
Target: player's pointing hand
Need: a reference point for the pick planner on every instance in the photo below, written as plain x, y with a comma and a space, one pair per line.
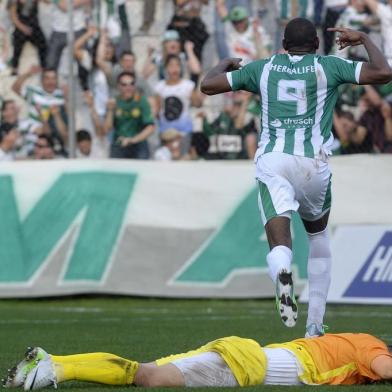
347, 37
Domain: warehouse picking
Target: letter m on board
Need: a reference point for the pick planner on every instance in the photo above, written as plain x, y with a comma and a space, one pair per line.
26, 244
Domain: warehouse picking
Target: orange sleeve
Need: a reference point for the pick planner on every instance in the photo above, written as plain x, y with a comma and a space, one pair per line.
372, 348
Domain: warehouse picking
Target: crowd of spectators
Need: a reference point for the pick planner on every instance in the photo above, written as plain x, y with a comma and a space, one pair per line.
147, 105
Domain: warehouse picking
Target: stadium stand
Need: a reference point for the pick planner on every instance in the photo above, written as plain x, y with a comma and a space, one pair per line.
138, 36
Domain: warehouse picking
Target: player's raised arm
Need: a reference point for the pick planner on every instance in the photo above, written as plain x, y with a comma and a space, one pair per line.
215, 82
377, 70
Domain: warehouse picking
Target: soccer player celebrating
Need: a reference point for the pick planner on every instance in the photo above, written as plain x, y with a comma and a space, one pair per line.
340, 359
298, 91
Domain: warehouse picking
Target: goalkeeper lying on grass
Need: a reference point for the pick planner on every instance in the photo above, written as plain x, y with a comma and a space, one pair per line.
345, 358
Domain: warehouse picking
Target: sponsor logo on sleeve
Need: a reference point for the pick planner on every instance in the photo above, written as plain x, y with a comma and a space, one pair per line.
276, 123
292, 123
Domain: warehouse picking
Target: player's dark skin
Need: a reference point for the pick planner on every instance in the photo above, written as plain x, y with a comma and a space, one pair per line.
375, 71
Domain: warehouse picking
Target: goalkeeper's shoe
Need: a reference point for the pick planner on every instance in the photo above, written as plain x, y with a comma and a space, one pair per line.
16, 376
315, 330
41, 376
285, 298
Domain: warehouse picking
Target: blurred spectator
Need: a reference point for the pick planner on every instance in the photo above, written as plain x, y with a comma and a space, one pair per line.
4, 49
333, 10
9, 112
149, 7
348, 98
10, 115
95, 118
339, 133
100, 145
46, 106
351, 137
377, 120
111, 16
24, 15
219, 24
386, 112
353, 17
131, 119
232, 135
8, 138
171, 146
84, 53
365, 129
44, 148
174, 96
84, 143
97, 59
190, 65
58, 37
187, 22
246, 37
289, 9
106, 63
318, 8
127, 63
373, 131
254, 110
199, 147
87, 147
384, 13
103, 60
385, 91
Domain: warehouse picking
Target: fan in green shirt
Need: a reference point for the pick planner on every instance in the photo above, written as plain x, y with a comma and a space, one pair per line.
232, 135
131, 119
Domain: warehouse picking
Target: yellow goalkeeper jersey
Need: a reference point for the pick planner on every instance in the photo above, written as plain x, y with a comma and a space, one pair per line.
337, 359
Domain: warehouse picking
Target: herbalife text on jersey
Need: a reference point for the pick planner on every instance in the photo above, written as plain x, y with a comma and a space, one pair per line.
291, 71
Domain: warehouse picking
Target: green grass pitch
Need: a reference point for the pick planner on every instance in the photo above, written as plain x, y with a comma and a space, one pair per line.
146, 329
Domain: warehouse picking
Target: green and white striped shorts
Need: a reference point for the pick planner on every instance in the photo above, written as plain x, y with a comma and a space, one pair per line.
293, 183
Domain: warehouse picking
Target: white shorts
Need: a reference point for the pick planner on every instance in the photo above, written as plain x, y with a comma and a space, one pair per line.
206, 370
283, 367
293, 183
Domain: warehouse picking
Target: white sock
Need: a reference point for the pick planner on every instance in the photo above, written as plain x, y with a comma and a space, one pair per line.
319, 276
278, 258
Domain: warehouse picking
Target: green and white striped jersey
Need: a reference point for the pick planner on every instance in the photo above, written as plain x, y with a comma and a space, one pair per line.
298, 95
40, 102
